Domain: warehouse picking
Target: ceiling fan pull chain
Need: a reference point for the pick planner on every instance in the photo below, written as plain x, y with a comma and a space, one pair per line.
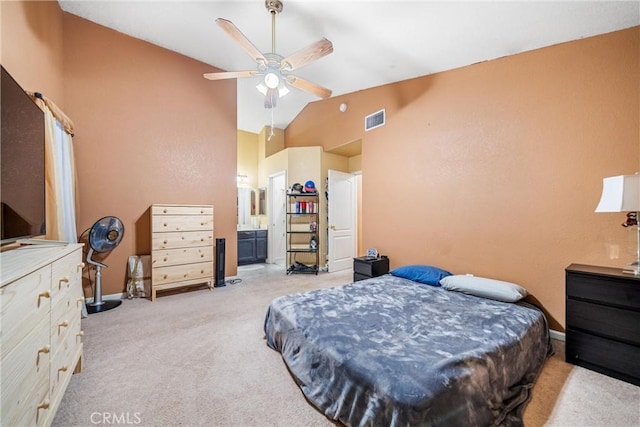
271, 129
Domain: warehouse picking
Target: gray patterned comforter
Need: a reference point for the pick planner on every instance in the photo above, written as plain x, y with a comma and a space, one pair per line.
391, 352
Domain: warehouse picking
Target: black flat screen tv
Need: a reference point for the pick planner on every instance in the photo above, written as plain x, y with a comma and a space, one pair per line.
22, 164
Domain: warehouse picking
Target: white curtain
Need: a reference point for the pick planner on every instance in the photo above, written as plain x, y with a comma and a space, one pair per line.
60, 172
64, 171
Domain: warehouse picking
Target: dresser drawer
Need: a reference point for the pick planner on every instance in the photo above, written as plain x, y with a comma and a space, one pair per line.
181, 210
603, 289
65, 274
168, 257
608, 356
178, 273
25, 383
167, 223
66, 319
23, 304
181, 239
64, 358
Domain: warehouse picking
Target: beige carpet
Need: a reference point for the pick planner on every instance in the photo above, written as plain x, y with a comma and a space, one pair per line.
198, 358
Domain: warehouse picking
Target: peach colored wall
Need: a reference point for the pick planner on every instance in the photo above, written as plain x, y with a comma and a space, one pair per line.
496, 168
248, 155
149, 129
32, 46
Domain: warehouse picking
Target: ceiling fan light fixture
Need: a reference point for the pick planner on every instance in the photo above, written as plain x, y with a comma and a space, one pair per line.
262, 88
272, 81
282, 90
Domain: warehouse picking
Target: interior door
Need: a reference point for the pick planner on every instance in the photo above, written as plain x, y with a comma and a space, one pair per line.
341, 223
277, 218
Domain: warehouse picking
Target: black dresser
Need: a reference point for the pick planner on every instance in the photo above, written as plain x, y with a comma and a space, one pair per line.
366, 268
603, 321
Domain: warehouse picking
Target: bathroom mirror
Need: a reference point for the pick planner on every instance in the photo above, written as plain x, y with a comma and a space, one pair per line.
245, 203
262, 201
253, 202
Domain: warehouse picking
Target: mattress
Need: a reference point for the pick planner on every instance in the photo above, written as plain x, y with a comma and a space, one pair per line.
390, 351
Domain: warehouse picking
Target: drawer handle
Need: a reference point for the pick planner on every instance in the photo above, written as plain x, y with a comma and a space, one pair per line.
43, 294
80, 266
164, 211
45, 349
165, 242
64, 279
61, 369
79, 301
80, 334
63, 324
44, 404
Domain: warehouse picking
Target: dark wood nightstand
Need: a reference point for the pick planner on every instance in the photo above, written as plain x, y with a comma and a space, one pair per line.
603, 321
366, 268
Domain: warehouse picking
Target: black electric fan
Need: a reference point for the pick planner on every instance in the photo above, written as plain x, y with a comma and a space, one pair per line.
104, 236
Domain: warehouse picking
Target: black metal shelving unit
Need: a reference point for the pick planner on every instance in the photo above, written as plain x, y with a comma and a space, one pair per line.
303, 241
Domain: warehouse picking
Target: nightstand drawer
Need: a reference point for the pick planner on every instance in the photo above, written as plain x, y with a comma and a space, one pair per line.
371, 267
606, 321
603, 355
357, 277
603, 289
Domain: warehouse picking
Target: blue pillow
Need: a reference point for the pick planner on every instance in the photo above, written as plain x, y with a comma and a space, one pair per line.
426, 274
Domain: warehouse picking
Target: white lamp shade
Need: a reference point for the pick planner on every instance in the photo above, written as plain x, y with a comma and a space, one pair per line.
620, 194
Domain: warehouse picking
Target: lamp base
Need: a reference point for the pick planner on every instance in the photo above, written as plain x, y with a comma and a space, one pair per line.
633, 268
103, 306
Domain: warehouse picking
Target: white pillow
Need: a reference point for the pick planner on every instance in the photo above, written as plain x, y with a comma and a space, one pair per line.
483, 287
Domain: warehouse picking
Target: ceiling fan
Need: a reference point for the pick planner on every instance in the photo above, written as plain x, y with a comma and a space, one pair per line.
275, 68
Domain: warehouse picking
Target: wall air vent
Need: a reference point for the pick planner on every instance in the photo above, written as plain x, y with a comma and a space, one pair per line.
374, 120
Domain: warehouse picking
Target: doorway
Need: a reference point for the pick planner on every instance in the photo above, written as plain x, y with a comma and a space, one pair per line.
276, 214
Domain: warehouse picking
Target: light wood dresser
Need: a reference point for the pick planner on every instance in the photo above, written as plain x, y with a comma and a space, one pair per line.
41, 300
181, 246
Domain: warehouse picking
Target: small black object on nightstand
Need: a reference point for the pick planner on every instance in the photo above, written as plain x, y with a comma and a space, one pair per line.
367, 267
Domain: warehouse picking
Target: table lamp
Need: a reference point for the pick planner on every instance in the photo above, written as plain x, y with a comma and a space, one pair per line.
622, 194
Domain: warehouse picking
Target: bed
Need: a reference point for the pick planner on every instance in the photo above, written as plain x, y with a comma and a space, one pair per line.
388, 351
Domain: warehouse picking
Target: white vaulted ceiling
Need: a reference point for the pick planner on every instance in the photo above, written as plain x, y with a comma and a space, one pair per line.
375, 42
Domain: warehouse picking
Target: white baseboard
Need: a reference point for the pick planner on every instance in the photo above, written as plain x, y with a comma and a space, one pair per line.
560, 336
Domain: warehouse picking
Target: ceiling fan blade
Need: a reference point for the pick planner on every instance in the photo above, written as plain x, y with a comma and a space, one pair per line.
308, 86
229, 75
241, 39
306, 55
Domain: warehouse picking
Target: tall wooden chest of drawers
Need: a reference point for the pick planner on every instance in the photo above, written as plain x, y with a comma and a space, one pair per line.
41, 301
181, 246
603, 321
